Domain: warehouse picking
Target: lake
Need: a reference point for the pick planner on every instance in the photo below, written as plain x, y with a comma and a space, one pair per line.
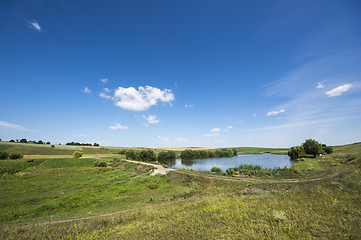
264, 160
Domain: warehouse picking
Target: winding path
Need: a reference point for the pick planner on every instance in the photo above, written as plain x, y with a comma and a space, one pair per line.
158, 168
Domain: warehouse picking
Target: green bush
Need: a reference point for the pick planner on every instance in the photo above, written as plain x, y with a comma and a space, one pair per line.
77, 154
122, 151
16, 156
216, 170
327, 149
4, 155
230, 172
100, 164
296, 152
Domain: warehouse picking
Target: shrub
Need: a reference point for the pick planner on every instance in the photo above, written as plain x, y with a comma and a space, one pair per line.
122, 151
216, 170
327, 149
4, 155
77, 154
100, 164
295, 152
230, 172
16, 156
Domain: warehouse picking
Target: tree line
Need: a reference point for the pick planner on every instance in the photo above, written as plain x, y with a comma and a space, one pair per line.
82, 144
149, 155
310, 146
219, 153
24, 140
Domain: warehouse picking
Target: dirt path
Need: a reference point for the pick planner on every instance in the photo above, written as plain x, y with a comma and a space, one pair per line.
106, 214
159, 169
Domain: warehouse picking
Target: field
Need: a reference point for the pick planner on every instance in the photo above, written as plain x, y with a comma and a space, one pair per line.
59, 197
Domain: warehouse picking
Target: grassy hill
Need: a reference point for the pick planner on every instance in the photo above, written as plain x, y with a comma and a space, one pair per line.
66, 198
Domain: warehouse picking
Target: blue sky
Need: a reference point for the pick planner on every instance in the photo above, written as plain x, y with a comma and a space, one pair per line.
181, 73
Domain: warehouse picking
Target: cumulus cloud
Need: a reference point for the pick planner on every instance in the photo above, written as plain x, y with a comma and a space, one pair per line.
151, 119
34, 25
87, 90
188, 105
104, 80
118, 126
339, 90
275, 112
254, 115
141, 99
214, 132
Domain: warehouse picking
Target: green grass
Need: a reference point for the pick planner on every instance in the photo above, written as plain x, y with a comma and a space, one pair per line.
324, 202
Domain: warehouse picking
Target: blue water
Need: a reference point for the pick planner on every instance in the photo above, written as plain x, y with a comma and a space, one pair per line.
263, 160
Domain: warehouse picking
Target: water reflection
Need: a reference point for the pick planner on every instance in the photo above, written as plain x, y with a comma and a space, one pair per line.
169, 163
264, 160
187, 162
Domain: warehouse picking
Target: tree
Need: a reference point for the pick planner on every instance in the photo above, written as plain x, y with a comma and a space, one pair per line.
313, 147
147, 156
23, 140
130, 154
40, 142
47, 142
12, 140
295, 152
234, 151
77, 154
96, 144
168, 155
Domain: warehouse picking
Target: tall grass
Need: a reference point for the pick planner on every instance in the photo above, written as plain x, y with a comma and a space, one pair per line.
256, 170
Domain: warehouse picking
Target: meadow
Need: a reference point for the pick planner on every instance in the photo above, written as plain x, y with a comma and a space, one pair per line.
59, 197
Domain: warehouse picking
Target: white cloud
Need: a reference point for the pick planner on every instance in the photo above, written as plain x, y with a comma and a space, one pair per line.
4, 124
214, 132
320, 85
106, 90
163, 139
188, 105
87, 90
275, 112
8, 125
339, 90
118, 126
254, 115
104, 80
34, 25
141, 99
104, 95
228, 128
151, 119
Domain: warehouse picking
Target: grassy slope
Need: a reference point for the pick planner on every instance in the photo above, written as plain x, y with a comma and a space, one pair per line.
323, 203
